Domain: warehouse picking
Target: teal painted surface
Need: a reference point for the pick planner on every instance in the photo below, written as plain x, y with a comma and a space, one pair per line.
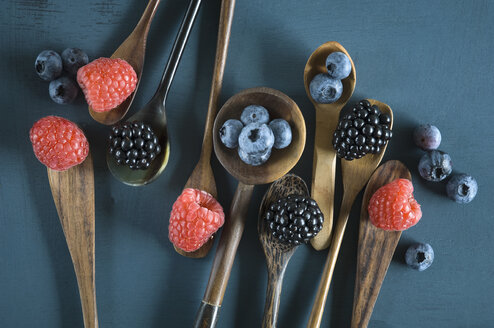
431, 61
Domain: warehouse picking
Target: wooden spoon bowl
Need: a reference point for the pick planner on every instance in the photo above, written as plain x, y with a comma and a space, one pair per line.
327, 116
281, 161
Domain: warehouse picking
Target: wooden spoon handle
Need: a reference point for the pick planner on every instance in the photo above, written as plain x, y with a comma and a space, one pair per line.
225, 253
323, 174
273, 293
226, 18
322, 292
142, 27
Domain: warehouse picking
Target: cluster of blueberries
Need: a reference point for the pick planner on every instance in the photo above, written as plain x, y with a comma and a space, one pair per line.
327, 88
50, 66
436, 165
254, 135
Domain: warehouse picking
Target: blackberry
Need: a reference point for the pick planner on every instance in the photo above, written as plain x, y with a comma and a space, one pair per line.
294, 219
365, 130
133, 144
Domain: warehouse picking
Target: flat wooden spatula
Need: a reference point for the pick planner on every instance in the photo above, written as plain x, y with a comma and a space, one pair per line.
73, 193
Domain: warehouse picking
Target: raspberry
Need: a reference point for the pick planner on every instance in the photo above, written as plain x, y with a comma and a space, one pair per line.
195, 216
392, 207
58, 143
106, 82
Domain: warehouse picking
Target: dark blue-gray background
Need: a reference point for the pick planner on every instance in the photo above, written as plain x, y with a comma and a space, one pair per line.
431, 61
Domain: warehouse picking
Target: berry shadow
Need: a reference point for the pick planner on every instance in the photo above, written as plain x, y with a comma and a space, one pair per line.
401, 248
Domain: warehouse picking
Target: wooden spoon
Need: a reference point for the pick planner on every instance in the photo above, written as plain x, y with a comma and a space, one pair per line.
355, 173
73, 193
202, 177
280, 162
153, 113
278, 254
375, 247
132, 50
327, 115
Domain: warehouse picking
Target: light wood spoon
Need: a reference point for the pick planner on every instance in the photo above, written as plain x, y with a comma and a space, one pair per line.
73, 193
202, 177
375, 247
327, 115
132, 50
280, 162
278, 254
355, 174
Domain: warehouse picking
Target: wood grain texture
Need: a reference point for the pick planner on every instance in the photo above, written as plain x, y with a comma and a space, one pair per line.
132, 50
355, 174
375, 247
73, 193
327, 116
202, 176
277, 254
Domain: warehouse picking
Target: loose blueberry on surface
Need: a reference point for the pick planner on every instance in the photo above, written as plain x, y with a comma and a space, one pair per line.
128, 146
230, 132
73, 59
282, 133
256, 138
254, 114
419, 256
427, 137
294, 219
254, 159
462, 188
338, 65
63, 90
48, 65
435, 165
324, 89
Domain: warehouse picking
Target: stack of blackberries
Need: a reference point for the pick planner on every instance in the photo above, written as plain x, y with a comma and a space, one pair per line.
294, 219
134, 144
364, 131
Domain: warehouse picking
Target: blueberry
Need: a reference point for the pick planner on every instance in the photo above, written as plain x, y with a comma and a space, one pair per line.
229, 133
73, 59
254, 114
48, 65
338, 65
254, 159
427, 136
462, 188
435, 165
419, 256
256, 138
324, 89
63, 90
282, 133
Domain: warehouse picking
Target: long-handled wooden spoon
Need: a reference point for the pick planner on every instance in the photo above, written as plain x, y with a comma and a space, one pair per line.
202, 177
355, 173
280, 162
375, 247
132, 50
278, 254
324, 164
73, 193
153, 113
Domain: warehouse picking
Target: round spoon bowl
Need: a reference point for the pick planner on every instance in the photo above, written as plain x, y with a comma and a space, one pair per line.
281, 161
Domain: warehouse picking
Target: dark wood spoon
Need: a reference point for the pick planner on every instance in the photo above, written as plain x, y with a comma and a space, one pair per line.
278, 254
73, 193
280, 162
202, 177
375, 247
132, 50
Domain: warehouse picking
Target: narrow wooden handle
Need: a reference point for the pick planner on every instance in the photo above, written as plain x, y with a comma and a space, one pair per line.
226, 18
323, 175
85, 281
142, 27
227, 247
273, 293
322, 292
207, 316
